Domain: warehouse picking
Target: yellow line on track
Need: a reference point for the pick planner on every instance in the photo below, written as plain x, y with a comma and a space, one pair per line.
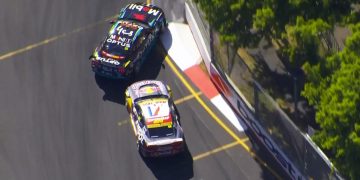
52, 39
215, 117
216, 150
221, 148
186, 98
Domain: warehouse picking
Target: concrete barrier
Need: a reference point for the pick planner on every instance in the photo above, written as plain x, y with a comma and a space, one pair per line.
297, 155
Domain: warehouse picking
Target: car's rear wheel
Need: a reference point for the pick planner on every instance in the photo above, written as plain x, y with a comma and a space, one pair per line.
177, 115
128, 108
129, 70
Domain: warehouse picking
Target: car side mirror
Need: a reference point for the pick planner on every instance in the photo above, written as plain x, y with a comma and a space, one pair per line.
91, 57
112, 21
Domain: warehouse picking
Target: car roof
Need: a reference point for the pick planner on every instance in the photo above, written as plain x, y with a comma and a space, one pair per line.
154, 108
121, 38
157, 117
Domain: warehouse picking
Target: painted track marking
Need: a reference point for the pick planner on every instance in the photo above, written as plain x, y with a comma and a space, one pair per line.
186, 98
52, 39
216, 150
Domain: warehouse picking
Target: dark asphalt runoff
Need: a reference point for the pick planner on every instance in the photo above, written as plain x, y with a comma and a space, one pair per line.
58, 121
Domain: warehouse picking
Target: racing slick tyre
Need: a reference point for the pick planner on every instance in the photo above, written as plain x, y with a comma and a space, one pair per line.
127, 106
177, 115
163, 27
141, 152
138, 146
91, 57
130, 73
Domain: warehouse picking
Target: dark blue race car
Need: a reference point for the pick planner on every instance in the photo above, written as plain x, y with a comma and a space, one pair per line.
132, 36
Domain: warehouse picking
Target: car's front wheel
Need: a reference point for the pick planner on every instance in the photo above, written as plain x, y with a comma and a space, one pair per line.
177, 115
140, 150
163, 27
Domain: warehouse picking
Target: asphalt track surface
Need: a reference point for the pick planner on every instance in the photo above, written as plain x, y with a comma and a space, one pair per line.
59, 121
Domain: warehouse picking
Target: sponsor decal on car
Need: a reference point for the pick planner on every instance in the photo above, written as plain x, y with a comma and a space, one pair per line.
122, 31
121, 41
168, 124
130, 25
152, 113
108, 60
156, 113
142, 8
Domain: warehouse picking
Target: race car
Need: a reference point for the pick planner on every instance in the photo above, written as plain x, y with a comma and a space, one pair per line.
154, 118
132, 36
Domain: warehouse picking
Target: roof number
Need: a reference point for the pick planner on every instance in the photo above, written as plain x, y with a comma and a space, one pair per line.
121, 30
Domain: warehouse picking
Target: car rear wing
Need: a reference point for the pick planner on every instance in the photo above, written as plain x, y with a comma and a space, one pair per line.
164, 142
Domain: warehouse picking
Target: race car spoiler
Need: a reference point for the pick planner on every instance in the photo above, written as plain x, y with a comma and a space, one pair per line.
164, 142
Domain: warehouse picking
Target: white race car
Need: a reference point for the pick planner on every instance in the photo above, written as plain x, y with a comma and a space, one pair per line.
154, 118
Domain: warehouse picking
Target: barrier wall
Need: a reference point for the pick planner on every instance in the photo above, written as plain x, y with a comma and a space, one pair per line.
293, 150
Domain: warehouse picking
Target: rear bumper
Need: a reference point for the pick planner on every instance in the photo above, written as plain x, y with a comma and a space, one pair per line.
162, 152
113, 74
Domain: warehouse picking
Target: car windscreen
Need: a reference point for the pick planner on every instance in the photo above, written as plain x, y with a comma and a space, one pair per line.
161, 132
150, 97
144, 25
114, 49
